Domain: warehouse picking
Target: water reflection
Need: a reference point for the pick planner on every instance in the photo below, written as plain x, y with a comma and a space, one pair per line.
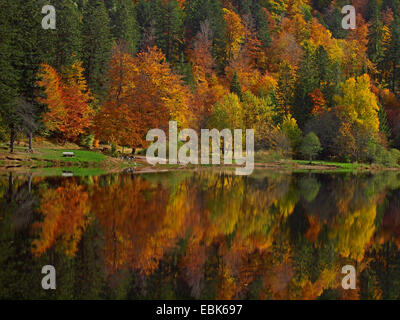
202, 235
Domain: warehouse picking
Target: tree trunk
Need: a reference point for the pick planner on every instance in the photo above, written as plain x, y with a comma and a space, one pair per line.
30, 142
12, 137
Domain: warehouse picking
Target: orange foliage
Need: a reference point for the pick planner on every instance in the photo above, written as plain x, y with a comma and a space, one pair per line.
66, 216
318, 101
144, 94
68, 101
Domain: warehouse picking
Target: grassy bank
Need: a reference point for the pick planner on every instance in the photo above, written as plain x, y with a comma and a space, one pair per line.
50, 156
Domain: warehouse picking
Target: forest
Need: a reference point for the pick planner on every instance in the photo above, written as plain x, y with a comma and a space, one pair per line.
112, 70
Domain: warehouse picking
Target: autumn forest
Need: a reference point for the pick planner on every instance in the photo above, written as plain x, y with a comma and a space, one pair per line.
111, 70
324, 104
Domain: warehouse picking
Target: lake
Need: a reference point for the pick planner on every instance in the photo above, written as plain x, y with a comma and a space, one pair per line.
203, 234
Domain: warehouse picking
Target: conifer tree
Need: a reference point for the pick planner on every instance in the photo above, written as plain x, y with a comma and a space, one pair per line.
69, 34
8, 76
307, 81
170, 30
124, 25
235, 85
97, 46
198, 11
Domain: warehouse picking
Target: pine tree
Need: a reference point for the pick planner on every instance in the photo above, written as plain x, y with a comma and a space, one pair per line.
69, 34
329, 74
236, 86
27, 56
285, 90
97, 46
306, 83
333, 20
261, 22
383, 122
8, 76
170, 31
124, 25
393, 53
375, 34
148, 13
198, 11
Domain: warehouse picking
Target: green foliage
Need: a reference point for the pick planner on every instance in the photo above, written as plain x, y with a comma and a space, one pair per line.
114, 152
393, 53
380, 155
384, 127
290, 128
87, 140
236, 88
63, 46
306, 83
227, 114
97, 45
124, 25
198, 11
310, 146
170, 30
8, 76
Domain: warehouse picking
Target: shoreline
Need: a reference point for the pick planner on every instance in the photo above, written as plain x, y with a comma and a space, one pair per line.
46, 158
119, 166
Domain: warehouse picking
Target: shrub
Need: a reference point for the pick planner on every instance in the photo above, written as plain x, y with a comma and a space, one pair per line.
290, 128
86, 140
380, 155
310, 146
114, 152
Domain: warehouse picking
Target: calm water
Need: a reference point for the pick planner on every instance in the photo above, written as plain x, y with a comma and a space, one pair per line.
200, 235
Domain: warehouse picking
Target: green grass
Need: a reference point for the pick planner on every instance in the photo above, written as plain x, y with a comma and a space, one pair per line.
80, 155
339, 165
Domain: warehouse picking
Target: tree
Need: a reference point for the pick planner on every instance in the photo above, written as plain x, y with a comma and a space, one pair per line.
290, 128
307, 82
124, 25
384, 127
198, 11
393, 52
25, 58
63, 46
28, 122
228, 114
144, 94
235, 85
258, 114
359, 103
235, 33
169, 30
97, 46
310, 146
8, 75
115, 122
69, 111
285, 89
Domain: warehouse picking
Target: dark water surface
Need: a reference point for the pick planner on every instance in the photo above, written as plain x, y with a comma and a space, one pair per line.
200, 235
